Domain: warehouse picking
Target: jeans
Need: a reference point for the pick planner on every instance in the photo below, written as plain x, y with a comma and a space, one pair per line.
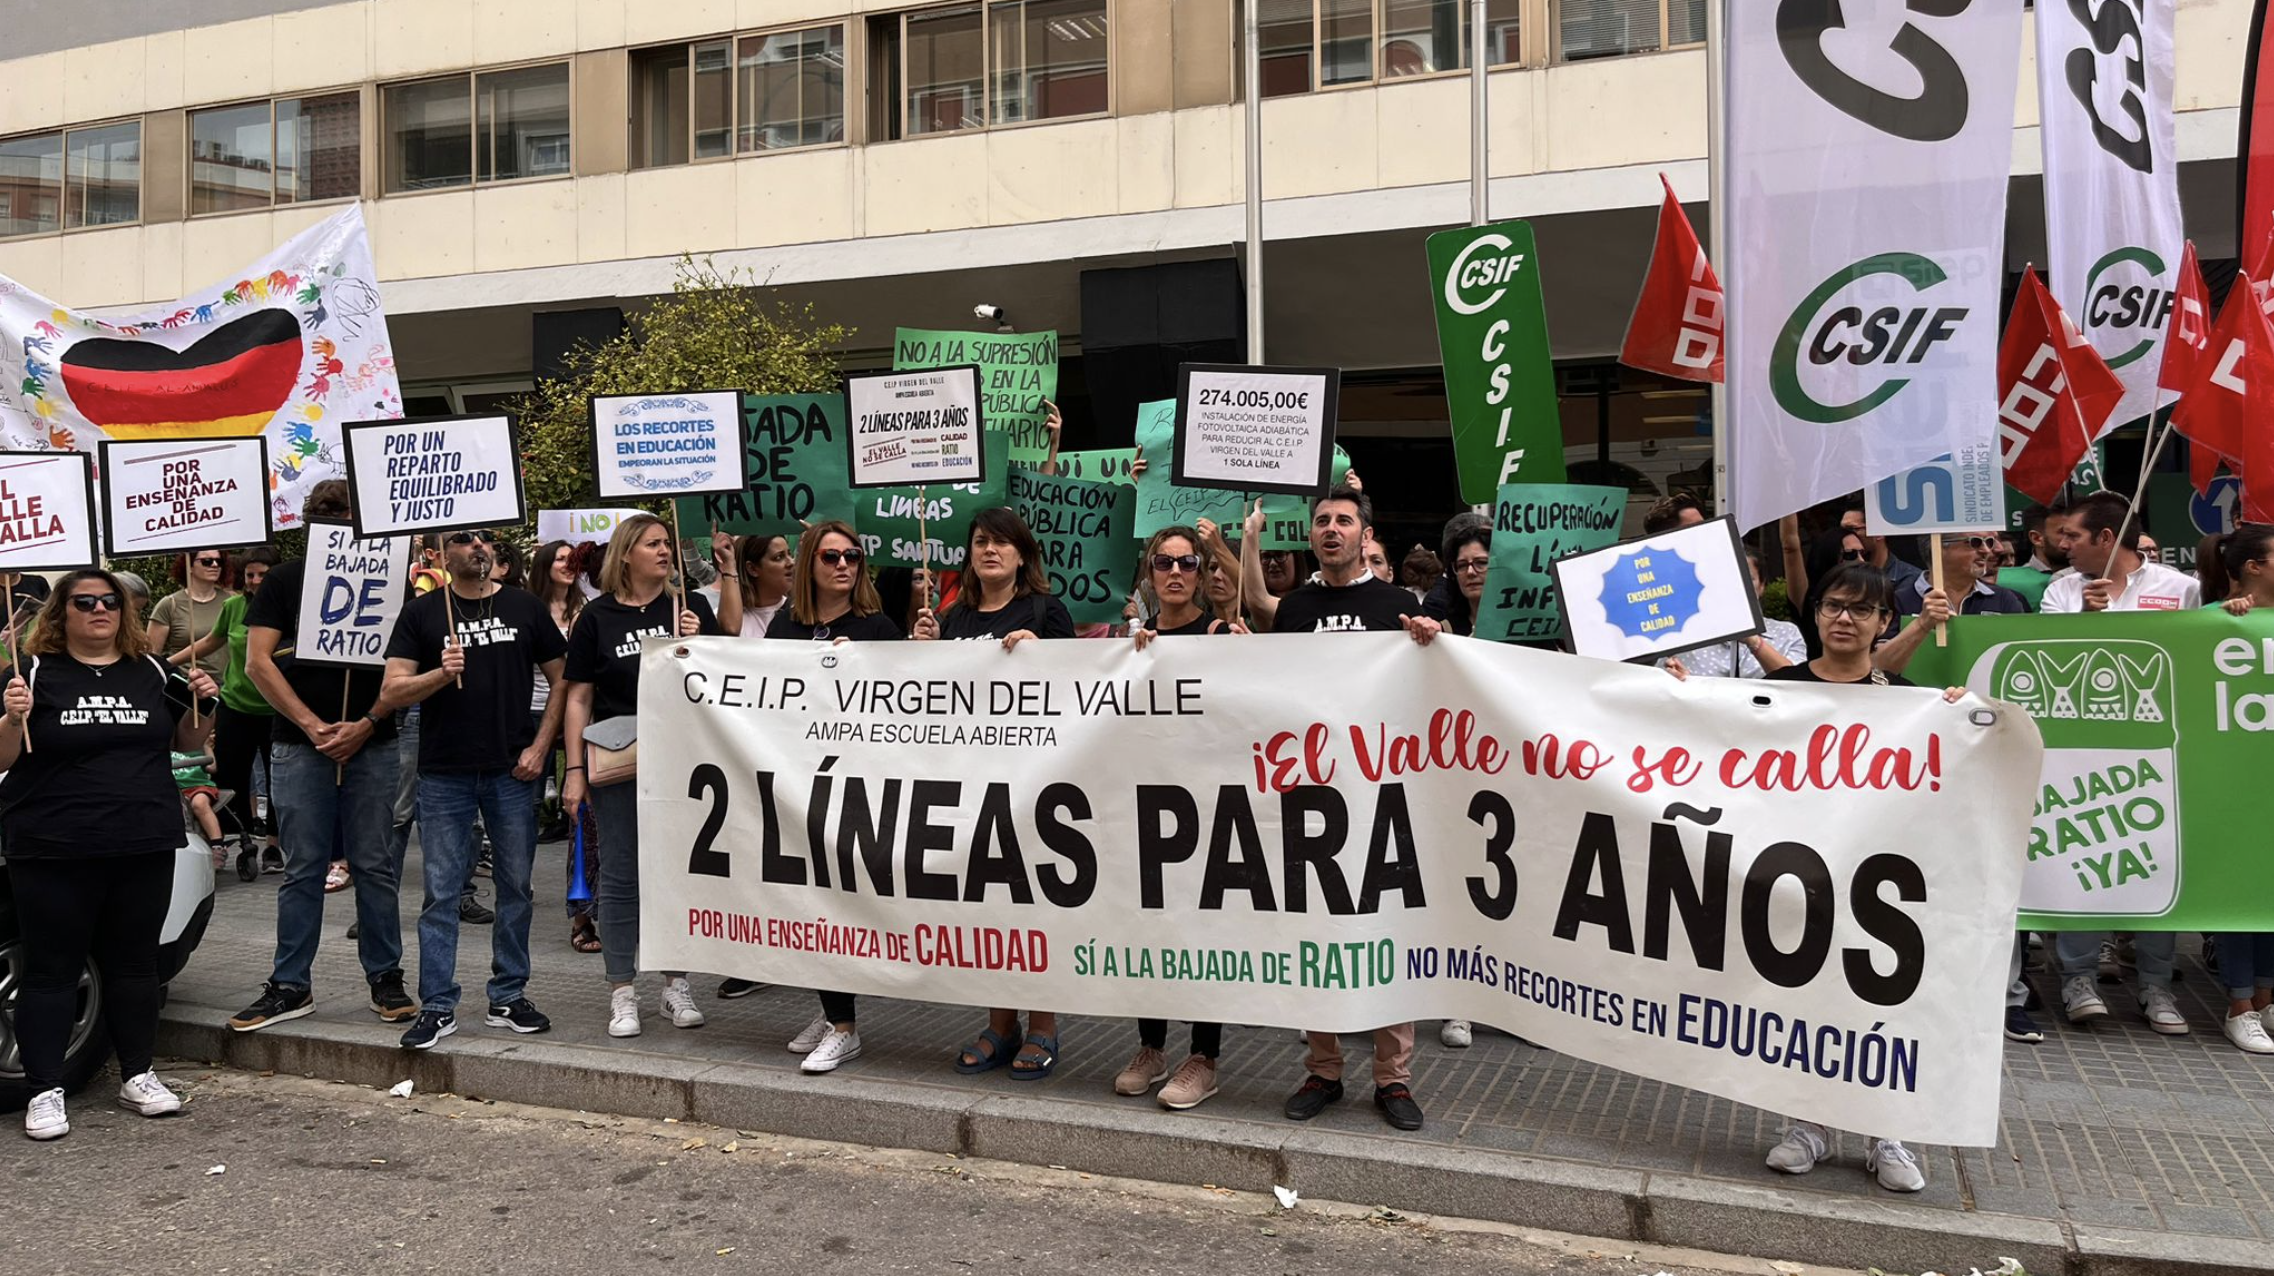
2246, 963
112, 907
2017, 988
406, 797
2079, 954
314, 797
447, 803
615, 808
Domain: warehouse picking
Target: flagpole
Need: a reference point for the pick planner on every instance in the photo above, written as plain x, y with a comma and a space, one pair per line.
1480, 150
1252, 82
2149, 457
1717, 212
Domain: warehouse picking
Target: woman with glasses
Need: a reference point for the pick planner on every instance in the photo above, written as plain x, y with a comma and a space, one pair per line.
601, 678
1005, 599
831, 600
92, 819
189, 613
1467, 552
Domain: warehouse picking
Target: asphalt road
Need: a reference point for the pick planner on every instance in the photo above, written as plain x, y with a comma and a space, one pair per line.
284, 1174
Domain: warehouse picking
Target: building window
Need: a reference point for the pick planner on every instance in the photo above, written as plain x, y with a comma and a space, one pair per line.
31, 173
1313, 44
737, 96
71, 179
492, 126
1613, 28
289, 151
980, 65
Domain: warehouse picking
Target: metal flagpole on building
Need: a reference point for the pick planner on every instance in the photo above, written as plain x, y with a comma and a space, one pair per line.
1251, 64
1717, 83
1480, 152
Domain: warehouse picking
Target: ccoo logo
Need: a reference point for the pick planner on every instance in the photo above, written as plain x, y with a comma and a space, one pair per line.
2128, 294
1889, 335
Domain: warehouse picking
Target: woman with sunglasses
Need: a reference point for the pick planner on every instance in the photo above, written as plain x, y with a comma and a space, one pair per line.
831, 600
189, 613
601, 678
1005, 598
92, 819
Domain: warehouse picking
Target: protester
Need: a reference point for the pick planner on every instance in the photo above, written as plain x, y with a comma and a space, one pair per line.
241, 723
2210, 571
506, 568
601, 677
2041, 531
187, 614
832, 601
91, 822
1006, 599
1672, 514
554, 573
1467, 555
1876, 550
1378, 560
2149, 550
754, 581
1777, 645
468, 655
1831, 550
2246, 960
1419, 570
1963, 557
330, 778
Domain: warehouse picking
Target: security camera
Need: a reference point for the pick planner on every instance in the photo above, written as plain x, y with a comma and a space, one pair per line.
989, 313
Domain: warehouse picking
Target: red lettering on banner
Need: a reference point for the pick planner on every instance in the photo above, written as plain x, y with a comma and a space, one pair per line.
1836, 758
1453, 745
1674, 768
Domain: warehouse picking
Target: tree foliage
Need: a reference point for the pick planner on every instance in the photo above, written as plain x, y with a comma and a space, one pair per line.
716, 331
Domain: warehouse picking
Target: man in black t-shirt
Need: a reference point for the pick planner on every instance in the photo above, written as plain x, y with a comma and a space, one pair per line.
468, 654
1346, 598
331, 770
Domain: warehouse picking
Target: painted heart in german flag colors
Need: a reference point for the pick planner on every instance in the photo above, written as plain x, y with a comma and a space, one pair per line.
231, 381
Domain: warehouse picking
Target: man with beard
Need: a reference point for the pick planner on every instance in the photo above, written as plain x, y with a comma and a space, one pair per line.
2042, 527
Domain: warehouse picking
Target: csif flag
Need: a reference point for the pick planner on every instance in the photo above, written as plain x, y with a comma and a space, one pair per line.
2225, 410
1676, 328
2054, 392
2183, 347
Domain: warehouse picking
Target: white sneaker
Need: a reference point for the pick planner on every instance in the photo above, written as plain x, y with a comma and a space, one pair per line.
679, 1004
1894, 1166
805, 1041
148, 1095
624, 1012
837, 1047
1802, 1147
2162, 1013
44, 1119
2081, 1001
2111, 967
2248, 1031
1456, 1034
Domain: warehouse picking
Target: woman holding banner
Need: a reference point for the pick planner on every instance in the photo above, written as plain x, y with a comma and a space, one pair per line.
831, 600
187, 614
92, 819
602, 682
2246, 960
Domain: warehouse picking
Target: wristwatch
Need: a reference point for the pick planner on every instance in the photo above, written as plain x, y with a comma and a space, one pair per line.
374, 719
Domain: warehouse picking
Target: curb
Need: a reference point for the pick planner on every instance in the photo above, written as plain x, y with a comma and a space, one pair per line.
1647, 1206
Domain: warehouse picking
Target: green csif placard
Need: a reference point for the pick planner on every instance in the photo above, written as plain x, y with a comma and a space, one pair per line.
1492, 333
1534, 524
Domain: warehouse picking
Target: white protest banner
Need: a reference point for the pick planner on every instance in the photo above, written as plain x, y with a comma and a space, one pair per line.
1671, 878
187, 494
1866, 179
434, 474
915, 428
1658, 596
1948, 494
47, 511
579, 527
2113, 233
350, 596
650, 445
1255, 429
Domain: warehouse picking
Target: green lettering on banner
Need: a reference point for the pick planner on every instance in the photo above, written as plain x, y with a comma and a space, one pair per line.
1084, 530
793, 470
1017, 371
1492, 333
1161, 503
1534, 524
2157, 727
886, 517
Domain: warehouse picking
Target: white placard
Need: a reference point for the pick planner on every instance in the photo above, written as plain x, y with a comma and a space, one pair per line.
47, 511
1965, 492
434, 474
184, 494
579, 527
1255, 429
354, 589
911, 428
652, 445
1658, 596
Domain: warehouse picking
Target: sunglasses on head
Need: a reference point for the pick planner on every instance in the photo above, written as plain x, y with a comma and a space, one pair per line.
1851, 555
468, 538
93, 602
1189, 563
840, 557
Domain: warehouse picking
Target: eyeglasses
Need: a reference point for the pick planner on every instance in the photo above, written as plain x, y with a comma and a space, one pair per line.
93, 602
213, 561
1983, 543
1472, 564
1189, 563
1853, 611
840, 557
1851, 555
468, 538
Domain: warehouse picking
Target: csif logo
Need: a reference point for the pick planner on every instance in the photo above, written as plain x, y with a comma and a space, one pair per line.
2114, 30
1476, 267
1936, 113
1886, 336
2127, 294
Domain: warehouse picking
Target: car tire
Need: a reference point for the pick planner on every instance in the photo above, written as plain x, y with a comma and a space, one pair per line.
89, 1045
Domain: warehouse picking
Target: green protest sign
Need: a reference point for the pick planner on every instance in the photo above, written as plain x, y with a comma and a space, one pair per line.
1017, 371
1492, 333
793, 470
1084, 530
1287, 519
1534, 524
1161, 503
1100, 465
2156, 728
891, 534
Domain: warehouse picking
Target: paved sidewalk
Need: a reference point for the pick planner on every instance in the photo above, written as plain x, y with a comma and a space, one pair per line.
2121, 1150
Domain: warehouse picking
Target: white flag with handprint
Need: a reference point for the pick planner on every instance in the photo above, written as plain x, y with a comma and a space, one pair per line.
295, 344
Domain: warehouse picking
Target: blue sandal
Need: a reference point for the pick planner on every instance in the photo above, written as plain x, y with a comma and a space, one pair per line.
1029, 1069
1001, 1049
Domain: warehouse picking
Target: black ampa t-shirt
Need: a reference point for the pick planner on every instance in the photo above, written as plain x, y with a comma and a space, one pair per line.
1801, 672
1205, 624
276, 605
1043, 614
98, 779
484, 725
1371, 605
874, 627
604, 647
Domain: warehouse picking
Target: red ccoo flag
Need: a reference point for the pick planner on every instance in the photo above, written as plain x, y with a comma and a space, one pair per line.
2054, 393
2183, 347
1676, 329
2224, 409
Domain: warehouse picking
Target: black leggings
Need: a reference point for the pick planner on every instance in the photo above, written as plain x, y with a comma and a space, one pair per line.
113, 907
239, 740
1207, 1038
837, 1007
